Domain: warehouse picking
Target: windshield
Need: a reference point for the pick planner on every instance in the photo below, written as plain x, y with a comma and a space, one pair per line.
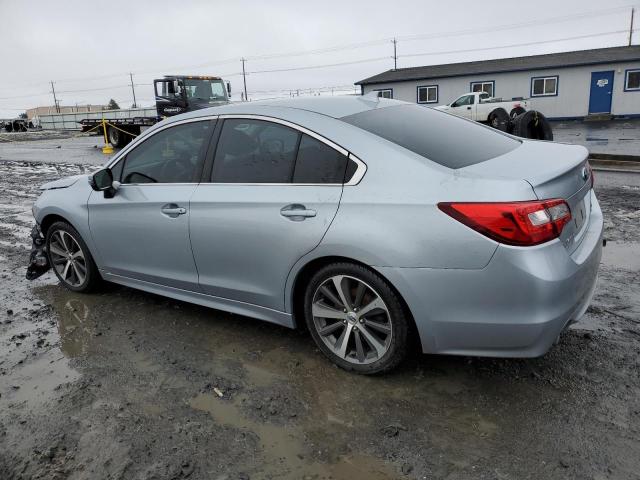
440, 137
204, 90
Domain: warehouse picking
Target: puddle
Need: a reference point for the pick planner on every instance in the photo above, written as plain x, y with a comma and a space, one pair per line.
622, 255
38, 379
283, 446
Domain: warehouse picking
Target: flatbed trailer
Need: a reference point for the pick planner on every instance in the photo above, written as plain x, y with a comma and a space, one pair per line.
174, 94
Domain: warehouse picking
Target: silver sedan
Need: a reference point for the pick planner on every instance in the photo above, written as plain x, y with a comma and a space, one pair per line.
374, 223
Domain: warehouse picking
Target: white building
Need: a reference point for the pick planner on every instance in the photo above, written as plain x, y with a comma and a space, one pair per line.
568, 85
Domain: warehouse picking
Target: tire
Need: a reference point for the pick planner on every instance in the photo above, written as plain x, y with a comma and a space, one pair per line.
515, 112
116, 137
61, 240
534, 125
369, 349
499, 120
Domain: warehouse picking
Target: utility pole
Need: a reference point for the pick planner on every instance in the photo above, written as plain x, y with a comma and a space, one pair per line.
55, 101
244, 79
395, 54
133, 90
631, 26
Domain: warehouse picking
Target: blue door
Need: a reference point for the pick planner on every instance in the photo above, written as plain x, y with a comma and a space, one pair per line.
601, 92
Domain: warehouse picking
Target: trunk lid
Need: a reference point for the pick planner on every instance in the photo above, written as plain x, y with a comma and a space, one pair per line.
554, 171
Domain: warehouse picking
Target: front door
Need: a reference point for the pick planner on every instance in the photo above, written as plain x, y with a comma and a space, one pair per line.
272, 195
463, 106
601, 92
142, 231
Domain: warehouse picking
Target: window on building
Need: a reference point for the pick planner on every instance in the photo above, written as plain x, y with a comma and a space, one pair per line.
428, 94
488, 87
544, 86
385, 93
632, 80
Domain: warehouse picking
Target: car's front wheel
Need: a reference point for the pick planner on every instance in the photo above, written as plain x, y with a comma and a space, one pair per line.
70, 258
356, 319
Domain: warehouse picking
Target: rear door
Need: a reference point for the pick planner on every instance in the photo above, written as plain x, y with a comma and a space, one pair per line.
273, 191
142, 231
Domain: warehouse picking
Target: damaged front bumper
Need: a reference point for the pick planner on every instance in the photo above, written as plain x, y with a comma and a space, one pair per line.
38, 260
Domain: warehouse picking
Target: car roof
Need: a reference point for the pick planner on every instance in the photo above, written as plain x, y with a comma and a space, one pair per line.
335, 107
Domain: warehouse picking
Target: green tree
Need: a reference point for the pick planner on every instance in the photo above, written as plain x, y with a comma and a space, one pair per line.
113, 105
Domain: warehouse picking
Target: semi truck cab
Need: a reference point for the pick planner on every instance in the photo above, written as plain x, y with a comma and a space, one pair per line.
177, 94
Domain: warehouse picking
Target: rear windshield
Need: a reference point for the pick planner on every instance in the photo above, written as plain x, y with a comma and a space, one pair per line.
442, 138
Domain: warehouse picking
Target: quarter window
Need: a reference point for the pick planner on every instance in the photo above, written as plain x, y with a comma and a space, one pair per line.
632, 80
487, 87
544, 86
385, 93
428, 94
318, 163
173, 155
255, 151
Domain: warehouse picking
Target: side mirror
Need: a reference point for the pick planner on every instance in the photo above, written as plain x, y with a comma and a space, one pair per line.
229, 88
102, 180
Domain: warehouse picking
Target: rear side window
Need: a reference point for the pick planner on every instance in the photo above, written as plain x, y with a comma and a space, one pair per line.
255, 151
440, 137
259, 151
318, 163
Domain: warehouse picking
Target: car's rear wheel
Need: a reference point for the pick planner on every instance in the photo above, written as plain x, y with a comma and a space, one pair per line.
356, 318
70, 258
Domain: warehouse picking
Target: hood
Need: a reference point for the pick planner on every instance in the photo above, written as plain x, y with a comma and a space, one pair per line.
62, 183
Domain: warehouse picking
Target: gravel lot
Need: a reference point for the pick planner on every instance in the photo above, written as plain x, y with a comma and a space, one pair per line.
127, 385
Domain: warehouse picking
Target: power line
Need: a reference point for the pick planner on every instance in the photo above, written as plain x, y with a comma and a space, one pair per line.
326, 65
357, 45
540, 42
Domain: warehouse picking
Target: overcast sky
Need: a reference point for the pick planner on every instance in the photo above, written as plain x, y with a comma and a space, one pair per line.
92, 46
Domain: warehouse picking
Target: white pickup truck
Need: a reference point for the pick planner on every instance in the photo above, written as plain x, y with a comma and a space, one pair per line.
480, 107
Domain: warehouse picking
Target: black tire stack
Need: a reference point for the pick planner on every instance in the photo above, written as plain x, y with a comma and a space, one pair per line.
531, 124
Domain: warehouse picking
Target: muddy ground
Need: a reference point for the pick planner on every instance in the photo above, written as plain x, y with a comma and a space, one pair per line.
127, 385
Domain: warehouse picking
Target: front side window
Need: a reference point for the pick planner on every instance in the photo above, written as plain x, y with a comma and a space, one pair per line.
255, 151
487, 87
428, 94
385, 93
544, 86
632, 80
464, 100
173, 155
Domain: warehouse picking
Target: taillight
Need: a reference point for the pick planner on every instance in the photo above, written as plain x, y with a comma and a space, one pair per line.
513, 223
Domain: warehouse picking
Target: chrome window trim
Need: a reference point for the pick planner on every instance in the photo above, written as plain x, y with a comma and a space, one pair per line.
132, 145
355, 179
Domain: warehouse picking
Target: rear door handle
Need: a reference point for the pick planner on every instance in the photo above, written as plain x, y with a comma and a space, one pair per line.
297, 212
172, 210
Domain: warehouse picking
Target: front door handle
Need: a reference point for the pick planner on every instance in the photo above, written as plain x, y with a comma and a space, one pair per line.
297, 212
172, 210
468, 108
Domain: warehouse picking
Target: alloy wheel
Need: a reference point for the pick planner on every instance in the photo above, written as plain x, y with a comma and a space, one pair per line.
67, 258
352, 319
